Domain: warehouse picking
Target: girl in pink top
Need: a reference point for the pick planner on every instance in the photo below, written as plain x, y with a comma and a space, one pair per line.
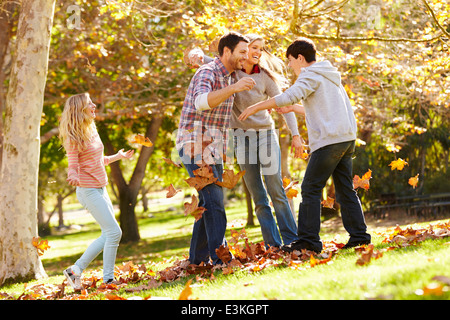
87, 172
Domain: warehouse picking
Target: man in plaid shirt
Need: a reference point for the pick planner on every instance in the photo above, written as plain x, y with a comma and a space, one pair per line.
205, 117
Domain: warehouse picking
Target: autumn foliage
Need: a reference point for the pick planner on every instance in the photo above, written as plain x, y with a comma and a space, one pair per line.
240, 255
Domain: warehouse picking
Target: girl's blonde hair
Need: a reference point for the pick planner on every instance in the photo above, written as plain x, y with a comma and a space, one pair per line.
272, 65
75, 126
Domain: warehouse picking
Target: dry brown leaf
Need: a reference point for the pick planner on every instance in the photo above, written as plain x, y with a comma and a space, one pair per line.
328, 203
169, 161
192, 208
362, 182
203, 177
230, 179
171, 191
223, 253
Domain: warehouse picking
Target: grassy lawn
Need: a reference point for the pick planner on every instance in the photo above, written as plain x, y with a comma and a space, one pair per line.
403, 273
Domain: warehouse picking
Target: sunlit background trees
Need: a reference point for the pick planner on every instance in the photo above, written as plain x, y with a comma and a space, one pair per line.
393, 56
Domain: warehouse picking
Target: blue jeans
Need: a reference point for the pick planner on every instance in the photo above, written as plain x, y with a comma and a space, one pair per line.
208, 233
98, 203
333, 160
258, 153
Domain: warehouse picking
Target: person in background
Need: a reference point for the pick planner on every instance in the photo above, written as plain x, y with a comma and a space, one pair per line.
87, 172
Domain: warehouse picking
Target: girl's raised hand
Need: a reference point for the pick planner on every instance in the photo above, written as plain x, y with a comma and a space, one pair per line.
128, 154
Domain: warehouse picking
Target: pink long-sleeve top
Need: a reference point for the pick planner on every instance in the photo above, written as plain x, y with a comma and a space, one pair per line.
89, 165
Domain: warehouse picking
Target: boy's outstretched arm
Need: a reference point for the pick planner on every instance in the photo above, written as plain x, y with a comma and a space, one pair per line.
299, 109
268, 104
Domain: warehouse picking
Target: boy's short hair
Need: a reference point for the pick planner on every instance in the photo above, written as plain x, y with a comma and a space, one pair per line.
302, 46
230, 40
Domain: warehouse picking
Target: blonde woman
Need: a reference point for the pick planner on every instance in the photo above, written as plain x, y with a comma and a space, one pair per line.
87, 172
256, 141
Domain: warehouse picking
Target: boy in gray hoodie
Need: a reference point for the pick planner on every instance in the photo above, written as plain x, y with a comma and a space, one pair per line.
332, 129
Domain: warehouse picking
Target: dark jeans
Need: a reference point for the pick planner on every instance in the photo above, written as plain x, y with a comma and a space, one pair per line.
208, 233
333, 160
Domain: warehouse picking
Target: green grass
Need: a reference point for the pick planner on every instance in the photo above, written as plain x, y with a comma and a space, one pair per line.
399, 274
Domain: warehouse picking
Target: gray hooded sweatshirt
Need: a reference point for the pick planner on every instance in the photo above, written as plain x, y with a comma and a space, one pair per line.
329, 114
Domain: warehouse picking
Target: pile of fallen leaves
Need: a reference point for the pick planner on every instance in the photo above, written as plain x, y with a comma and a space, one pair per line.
239, 254
401, 238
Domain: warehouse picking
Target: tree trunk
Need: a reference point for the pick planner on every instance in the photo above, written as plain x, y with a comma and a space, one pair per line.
144, 199
59, 204
19, 260
128, 192
43, 227
127, 219
6, 27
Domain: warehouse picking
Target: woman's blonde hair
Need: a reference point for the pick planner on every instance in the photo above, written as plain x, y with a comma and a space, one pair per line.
75, 126
272, 65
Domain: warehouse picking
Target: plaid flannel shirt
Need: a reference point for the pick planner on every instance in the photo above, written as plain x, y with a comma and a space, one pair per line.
207, 125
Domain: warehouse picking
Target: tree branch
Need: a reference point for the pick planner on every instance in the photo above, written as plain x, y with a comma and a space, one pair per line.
374, 38
296, 29
435, 19
326, 10
46, 136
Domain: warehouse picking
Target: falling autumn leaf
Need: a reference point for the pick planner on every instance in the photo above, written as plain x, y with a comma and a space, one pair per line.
192, 208
328, 203
140, 139
169, 161
199, 182
171, 191
292, 193
230, 179
413, 181
398, 164
40, 245
287, 183
362, 182
203, 177
288, 188
304, 155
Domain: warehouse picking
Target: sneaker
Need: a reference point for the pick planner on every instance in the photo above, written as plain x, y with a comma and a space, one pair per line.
73, 276
299, 245
112, 281
352, 244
